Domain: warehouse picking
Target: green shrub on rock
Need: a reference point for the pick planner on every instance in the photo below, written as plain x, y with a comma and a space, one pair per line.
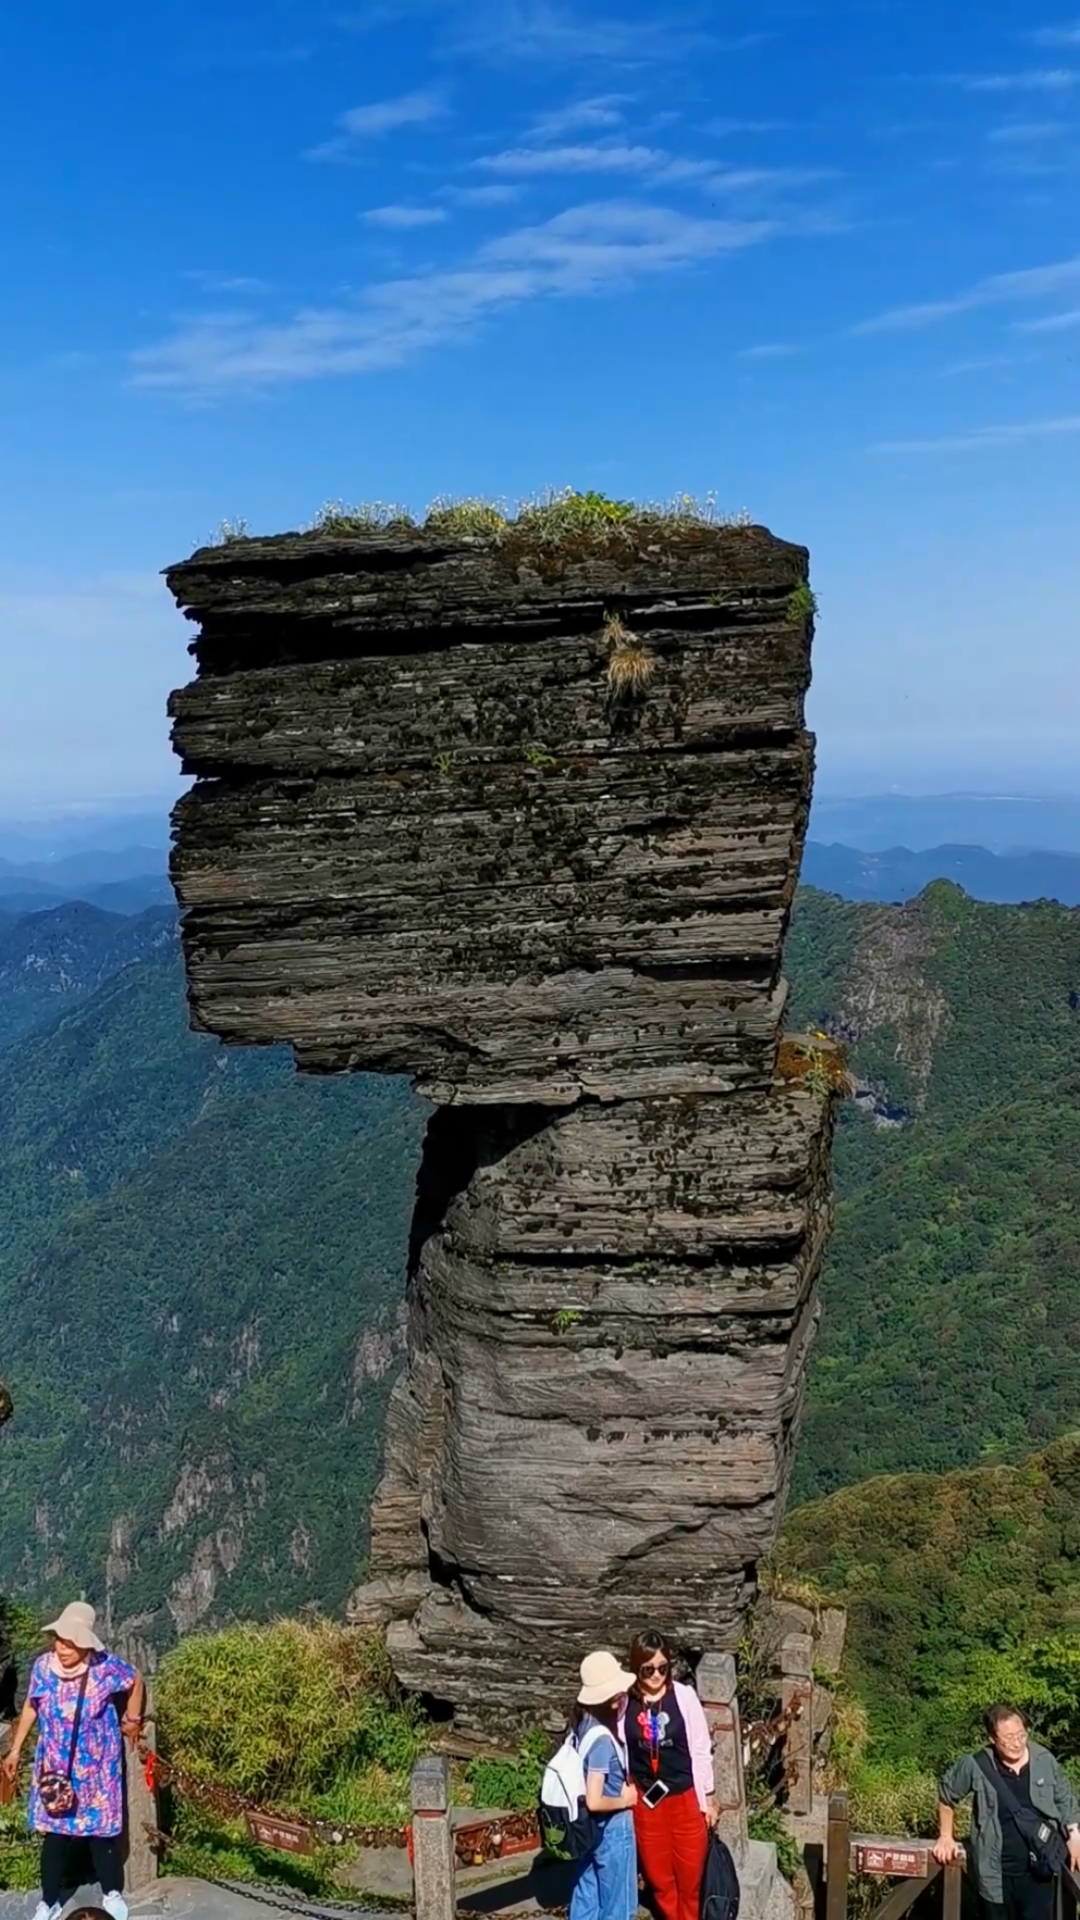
284, 1712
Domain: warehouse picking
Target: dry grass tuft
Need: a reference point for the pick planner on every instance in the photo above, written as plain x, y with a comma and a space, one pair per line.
631, 666
368, 516
816, 1062
476, 515
630, 670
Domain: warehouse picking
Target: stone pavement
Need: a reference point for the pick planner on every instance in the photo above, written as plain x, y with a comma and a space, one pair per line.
175, 1899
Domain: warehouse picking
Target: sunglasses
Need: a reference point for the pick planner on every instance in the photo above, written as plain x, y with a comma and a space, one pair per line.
657, 1667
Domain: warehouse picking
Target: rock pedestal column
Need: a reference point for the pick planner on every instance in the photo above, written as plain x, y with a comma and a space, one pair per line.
522, 817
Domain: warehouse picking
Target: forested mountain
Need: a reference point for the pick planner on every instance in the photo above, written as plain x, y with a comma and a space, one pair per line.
961, 1588
950, 1285
52, 960
201, 1264
202, 1255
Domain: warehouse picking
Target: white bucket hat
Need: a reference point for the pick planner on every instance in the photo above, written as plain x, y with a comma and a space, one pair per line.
76, 1624
602, 1679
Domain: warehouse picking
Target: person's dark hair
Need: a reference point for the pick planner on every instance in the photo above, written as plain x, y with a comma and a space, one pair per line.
89, 1913
644, 1647
995, 1715
607, 1716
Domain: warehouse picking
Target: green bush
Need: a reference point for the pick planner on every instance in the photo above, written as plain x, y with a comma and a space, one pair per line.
767, 1823
18, 1849
285, 1712
513, 1785
888, 1799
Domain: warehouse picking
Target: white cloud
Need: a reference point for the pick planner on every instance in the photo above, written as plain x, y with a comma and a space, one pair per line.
652, 163
1050, 323
379, 117
770, 350
1023, 132
1033, 80
723, 129
748, 179
978, 363
1064, 36
550, 32
404, 218
1030, 283
225, 282
604, 110
606, 157
979, 437
585, 250
385, 116
500, 193
544, 31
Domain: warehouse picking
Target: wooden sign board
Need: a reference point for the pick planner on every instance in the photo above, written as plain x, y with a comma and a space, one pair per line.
284, 1836
893, 1858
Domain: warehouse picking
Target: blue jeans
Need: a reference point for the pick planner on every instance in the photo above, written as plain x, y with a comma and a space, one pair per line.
606, 1885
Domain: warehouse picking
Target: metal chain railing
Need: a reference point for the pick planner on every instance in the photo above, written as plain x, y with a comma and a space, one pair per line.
475, 1843
216, 1797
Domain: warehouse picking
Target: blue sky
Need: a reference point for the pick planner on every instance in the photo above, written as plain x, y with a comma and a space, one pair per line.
822, 260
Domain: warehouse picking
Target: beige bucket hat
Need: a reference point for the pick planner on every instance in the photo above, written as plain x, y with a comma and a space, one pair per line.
76, 1624
602, 1679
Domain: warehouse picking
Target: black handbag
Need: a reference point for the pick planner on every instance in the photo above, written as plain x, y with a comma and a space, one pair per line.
1047, 1852
55, 1791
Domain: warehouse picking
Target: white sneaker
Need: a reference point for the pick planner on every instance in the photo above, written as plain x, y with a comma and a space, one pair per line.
42, 1912
116, 1905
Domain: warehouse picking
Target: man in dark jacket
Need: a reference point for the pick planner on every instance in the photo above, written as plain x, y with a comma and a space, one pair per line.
999, 1852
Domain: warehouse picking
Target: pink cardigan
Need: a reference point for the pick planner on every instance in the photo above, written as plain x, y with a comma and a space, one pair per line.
698, 1737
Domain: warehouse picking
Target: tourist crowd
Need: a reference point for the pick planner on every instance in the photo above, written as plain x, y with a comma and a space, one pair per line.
631, 1791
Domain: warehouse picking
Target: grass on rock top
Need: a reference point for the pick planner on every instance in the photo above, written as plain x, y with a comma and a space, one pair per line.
553, 516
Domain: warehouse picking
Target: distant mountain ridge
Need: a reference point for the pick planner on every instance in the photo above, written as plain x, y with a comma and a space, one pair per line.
1001, 822
898, 873
50, 961
93, 868
57, 836
120, 879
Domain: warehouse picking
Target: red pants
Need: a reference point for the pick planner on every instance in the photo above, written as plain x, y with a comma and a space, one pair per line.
671, 1844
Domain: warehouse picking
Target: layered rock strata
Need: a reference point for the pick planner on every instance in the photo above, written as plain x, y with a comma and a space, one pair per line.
522, 817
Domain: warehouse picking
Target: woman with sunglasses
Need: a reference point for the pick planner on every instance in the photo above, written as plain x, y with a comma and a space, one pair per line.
670, 1754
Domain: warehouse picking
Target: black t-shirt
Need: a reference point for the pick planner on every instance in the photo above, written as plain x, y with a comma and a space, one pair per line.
656, 1744
1015, 1857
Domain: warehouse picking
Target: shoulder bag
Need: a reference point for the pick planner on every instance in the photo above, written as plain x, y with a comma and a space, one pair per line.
1047, 1853
55, 1791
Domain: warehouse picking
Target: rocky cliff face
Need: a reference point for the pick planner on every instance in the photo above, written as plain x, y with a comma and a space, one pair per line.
522, 817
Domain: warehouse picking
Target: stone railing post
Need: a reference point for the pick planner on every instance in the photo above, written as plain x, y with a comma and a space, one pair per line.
718, 1690
141, 1817
797, 1699
432, 1839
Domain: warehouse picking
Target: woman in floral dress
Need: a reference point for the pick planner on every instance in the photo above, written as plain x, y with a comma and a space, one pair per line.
79, 1682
